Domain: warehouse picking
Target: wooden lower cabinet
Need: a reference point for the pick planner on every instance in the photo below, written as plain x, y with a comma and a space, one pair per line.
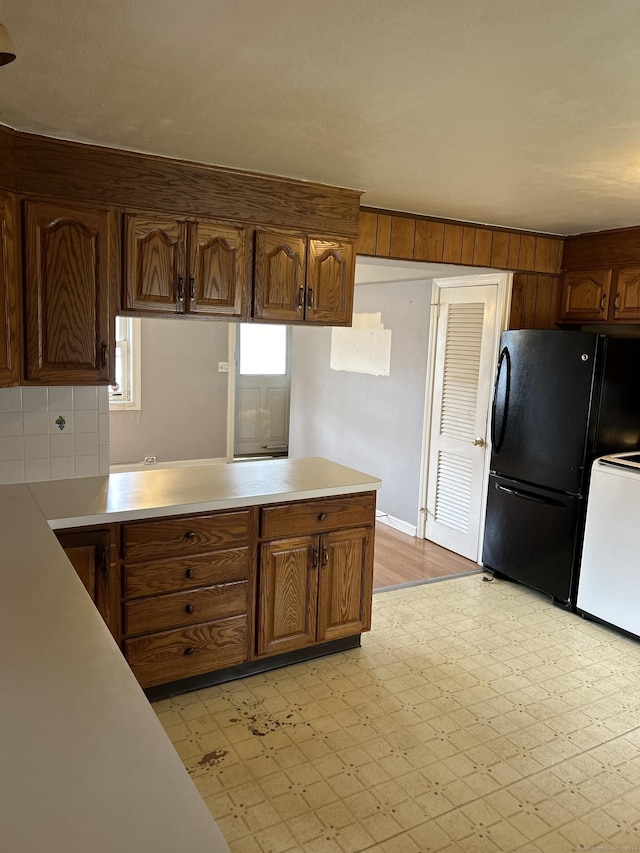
90, 552
195, 594
187, 594
315, 588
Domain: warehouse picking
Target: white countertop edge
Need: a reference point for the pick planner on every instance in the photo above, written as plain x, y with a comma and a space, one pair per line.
207, 506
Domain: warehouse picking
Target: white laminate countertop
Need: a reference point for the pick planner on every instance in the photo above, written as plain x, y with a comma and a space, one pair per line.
84, 762
170, 491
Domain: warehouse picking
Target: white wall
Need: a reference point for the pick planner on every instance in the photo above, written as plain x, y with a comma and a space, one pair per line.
184, 397
371, 423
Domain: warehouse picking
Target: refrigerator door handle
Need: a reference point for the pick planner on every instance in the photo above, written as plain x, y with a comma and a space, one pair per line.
528, 496
503, 360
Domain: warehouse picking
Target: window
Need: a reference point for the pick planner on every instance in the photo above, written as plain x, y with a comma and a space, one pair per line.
263, 350
125, 393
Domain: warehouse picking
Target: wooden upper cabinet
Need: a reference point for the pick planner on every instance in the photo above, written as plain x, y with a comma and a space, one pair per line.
70, 267
585, 295
279, 276
218, 276
626, 304
330, 277
9, 326
300, 279
154, 264
178, 267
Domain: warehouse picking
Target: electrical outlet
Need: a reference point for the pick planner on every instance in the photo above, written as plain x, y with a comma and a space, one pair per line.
150, 460
223, 367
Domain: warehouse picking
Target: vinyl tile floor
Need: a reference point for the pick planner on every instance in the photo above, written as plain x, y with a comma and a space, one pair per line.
475, 717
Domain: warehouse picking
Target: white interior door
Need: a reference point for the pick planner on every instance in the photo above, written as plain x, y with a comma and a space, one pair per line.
466, 339
262, 391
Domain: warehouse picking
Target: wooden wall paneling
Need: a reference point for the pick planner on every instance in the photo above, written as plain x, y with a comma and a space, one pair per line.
403, 233
513, 255
546, 255
75, 171
366, 244
482, 248
500, 249
543, 314
383, 236
527, 252
452, 250
518, 296
429, 243
468, 245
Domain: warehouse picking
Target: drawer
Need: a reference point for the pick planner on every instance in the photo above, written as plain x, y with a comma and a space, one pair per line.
317, 516
185, 608
186, 573
172, 655
184, 535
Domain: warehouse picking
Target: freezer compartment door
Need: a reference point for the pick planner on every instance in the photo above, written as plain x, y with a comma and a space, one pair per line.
542, 407
531, 535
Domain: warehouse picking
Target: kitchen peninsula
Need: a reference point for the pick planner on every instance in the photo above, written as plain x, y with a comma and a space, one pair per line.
86, 765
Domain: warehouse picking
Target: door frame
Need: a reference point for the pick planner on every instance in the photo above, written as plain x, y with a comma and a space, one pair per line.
231, 384
504, 283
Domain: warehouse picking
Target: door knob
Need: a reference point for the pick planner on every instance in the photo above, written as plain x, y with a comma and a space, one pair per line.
478, 442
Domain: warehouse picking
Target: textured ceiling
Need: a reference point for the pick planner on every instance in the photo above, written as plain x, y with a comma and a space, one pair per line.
523, 114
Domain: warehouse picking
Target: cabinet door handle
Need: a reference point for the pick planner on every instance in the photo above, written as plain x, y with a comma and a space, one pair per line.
104, 353
602, 301
310, 297
325, 556
301, 296
180, 295
616, 303
189, 608
192, 290
316, 556
189, 651
188, 573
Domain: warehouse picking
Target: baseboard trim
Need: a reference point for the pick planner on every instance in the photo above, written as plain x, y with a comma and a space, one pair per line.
397, 524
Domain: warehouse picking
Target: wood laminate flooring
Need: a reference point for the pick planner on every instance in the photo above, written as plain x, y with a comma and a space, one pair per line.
401, 559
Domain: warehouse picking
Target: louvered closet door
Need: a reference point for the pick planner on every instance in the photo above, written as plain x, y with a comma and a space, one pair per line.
462, 388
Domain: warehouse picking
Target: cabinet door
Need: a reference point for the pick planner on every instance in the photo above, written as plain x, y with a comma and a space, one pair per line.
288, 594
330, 282
69, 285
89, 554
218, 279
585, 295
155, 251
9, 347
279, 286
345, 584
626, 305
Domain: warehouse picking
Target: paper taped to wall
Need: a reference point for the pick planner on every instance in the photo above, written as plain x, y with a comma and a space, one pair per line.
364, 348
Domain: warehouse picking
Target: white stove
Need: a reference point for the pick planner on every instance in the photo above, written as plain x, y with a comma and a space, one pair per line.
609, 582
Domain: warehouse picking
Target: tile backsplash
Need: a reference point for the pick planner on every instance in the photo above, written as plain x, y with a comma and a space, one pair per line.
53, 433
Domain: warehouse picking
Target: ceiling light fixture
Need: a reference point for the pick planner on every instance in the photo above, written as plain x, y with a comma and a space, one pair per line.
6, 48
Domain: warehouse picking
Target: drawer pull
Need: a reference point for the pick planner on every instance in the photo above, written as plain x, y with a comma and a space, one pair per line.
189, 608
189, 651
188, 573
190, 535
322, 516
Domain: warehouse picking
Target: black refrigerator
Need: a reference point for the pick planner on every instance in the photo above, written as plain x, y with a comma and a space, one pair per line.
561, 399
